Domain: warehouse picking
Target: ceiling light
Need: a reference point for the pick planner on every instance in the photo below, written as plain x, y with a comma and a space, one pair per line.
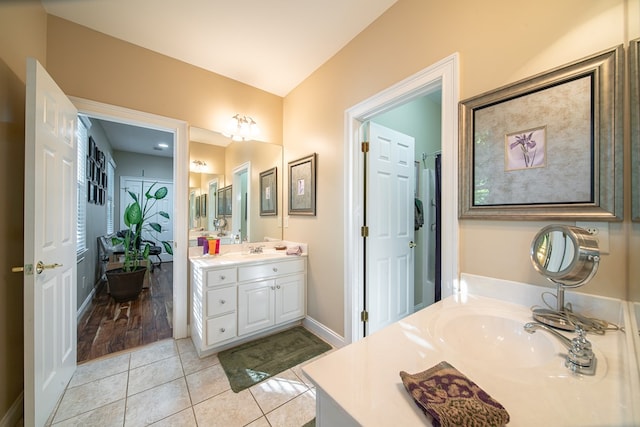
242, 128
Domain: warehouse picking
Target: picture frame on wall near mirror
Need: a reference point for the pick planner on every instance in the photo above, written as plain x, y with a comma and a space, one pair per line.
634, 101
547, 147
269, 192
302, 186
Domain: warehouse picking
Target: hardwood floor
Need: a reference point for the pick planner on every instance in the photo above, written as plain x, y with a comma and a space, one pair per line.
107, 326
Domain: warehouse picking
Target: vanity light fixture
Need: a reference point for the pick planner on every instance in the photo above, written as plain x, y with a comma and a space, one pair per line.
199, 165
242, 128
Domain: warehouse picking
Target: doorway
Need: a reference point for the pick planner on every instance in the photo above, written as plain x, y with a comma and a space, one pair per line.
444, 76
180, 179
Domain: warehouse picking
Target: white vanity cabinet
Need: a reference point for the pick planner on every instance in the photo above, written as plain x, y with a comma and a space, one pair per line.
232, 302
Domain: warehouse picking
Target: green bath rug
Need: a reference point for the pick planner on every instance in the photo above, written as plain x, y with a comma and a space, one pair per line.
252, 362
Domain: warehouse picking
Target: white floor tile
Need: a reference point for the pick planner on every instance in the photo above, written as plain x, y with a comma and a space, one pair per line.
278, 390
154, 374
157, 403
100, 368
296, 412
153, 352
207, 383
87, 397
110, 415
228, 409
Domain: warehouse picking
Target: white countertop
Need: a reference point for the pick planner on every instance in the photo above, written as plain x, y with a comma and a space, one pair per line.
240, 254
363, 378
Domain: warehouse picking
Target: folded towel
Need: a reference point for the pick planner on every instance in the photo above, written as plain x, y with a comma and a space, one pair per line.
452, 399
294, 250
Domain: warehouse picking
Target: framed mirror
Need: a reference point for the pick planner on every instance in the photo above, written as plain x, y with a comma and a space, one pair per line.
547, 147
213, 160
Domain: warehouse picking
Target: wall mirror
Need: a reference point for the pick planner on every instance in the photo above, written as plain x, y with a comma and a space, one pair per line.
547, 147
232, 198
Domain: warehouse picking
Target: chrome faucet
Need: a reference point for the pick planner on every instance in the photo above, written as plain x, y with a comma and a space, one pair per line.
255, 249
580, 357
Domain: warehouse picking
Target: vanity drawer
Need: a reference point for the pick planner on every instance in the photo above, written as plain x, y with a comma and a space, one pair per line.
265, 271
221, 328
221, 277
221, 300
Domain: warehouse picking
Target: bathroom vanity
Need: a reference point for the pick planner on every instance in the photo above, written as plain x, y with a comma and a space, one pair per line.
240, 295
479, 330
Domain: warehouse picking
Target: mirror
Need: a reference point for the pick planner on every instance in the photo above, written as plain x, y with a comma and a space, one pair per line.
567, 256
224, 188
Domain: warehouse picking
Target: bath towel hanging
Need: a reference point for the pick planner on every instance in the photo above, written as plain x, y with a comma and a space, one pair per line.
419, 214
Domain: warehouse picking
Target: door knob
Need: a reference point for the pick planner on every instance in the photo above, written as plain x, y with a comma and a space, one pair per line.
40, 266
412, 245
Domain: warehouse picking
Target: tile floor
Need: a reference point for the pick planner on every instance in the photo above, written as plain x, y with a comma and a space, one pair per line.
166, 384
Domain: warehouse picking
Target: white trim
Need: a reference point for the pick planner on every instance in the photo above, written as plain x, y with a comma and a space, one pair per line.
236, 207
13, 415
444, 75
85, 304
180, 129
323, 332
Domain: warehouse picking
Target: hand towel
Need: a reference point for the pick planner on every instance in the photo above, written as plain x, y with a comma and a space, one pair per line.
452, 399
294, 250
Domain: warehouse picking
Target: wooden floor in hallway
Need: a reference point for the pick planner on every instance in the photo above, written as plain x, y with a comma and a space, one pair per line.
108, 326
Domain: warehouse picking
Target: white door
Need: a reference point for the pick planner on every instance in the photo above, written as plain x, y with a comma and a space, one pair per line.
390, 219
50, 214
139, 186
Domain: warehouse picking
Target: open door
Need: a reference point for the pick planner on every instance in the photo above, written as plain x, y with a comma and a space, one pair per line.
50, 215
389, 259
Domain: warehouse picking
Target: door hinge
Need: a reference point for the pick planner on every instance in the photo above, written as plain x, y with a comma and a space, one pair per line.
364, 231
365, 146
364, 316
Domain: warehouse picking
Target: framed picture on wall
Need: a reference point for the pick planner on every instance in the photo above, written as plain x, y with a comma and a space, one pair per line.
302, 186
269, 192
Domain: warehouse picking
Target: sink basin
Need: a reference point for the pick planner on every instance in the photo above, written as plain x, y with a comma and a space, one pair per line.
489, 338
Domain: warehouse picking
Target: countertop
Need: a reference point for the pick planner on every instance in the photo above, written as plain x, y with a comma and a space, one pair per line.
363, 378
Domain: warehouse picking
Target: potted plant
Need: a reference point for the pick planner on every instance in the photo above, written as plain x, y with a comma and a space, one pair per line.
125, 283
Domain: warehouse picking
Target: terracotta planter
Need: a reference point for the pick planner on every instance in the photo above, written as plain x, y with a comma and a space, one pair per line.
125, 286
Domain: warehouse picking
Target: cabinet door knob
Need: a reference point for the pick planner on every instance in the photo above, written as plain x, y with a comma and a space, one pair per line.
222, 301
222, 330
275, 269
273, 288
278, 287
223, 277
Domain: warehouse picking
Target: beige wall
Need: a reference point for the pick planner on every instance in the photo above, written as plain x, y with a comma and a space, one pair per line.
499, 42
22, 34
92, 65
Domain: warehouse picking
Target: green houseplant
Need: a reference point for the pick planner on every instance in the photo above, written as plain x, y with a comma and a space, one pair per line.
125, 283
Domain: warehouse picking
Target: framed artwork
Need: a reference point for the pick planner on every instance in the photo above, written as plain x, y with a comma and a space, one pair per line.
269, 192
547, 147
224, 201
302, 186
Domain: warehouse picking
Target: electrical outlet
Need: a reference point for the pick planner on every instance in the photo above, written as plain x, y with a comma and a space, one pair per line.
600, 230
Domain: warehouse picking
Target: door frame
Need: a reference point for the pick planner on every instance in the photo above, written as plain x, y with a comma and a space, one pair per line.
445, 75
180, 130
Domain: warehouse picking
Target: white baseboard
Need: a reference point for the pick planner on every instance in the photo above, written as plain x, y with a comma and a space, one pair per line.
13, 415
85, 304
323, 332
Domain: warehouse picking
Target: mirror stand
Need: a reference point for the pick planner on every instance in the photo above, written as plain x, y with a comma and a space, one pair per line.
569, 257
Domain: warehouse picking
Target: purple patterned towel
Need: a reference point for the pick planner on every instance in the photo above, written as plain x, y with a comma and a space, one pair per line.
452, 399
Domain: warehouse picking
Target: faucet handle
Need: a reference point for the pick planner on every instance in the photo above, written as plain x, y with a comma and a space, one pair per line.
580, 354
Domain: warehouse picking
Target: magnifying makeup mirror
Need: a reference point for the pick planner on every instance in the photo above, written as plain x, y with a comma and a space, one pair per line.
567, 256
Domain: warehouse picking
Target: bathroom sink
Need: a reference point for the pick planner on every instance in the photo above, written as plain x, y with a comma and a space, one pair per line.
491, 338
